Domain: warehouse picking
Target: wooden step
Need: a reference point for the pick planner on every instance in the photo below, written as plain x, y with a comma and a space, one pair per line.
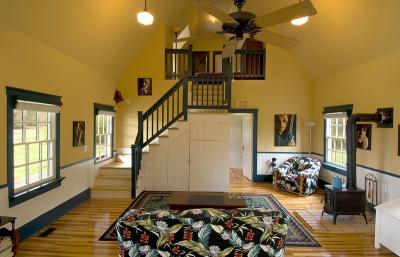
110, 192
115, 171
122, 181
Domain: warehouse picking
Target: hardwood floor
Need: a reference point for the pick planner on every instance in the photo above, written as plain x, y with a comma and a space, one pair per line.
78, 231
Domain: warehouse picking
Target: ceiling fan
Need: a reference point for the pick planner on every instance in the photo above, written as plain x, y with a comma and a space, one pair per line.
241, 25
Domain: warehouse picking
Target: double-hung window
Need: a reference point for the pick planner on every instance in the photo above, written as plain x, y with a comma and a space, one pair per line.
33, 140
335, 119
103, 132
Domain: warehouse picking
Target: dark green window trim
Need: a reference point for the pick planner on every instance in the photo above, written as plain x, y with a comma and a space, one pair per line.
348, 109
102, 107
13, 95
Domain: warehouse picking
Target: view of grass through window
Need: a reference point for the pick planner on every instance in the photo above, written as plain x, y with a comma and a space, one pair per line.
34, 144
336, 141
104, 133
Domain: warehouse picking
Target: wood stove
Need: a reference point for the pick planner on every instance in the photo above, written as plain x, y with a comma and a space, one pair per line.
350, 200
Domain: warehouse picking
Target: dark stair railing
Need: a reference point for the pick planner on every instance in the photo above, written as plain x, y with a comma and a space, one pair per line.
190, 92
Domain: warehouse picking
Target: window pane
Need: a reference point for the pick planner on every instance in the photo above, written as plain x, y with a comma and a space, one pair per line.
45, 153
45, 169
17, 133
19, 155
43, 116
332, 156
43, 132
97, 140
34, 152
29, 115
344, 158
334, 128
334, 121
20, 177
51, 168
109, 151
30, 132
108, 140
338, 158
34, 172
330, 144
17, 115
51, 149
340, 131
338, 145
340, 121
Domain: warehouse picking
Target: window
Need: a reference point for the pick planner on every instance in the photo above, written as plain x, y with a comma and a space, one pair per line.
33, 143
335, 119
104, 132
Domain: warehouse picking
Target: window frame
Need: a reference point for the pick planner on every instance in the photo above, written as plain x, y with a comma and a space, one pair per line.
13, 95
348, 109
97, 108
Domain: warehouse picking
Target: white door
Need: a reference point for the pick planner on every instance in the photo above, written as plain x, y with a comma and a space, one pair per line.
248, 146
178, 163
236, 142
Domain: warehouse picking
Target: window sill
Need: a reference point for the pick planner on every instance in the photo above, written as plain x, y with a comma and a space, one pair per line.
336, 169
23, 196
96, 161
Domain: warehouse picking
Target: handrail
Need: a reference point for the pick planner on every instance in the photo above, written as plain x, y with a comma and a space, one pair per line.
214, 92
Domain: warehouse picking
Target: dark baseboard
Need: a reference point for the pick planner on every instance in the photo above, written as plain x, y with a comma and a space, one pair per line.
262, 178
45, 219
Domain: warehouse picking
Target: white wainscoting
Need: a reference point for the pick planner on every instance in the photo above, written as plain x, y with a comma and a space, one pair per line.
388, 185
78, 178
264, 160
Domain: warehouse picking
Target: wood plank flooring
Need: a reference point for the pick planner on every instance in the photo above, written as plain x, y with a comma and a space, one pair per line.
78, 231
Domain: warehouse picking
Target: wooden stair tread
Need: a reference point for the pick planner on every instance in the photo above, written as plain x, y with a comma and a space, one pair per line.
111, 188
116, 165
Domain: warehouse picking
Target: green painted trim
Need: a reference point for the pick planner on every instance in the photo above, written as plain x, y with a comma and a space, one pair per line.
32, 96
14, 94
47, 218
102, 107
334, 169
348, 109
3, 186
75, 163
33, 192
256, 177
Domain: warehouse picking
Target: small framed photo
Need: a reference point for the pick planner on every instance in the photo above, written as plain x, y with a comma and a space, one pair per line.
364, 136
78, 133
285, 130
144, 86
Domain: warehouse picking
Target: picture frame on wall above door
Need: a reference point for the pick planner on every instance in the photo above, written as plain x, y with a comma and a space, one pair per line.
285, 130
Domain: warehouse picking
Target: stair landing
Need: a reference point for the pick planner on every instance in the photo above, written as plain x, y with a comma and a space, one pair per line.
113, 180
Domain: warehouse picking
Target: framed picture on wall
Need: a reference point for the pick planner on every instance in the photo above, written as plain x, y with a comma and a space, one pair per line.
364, 136
144, 86
78, 133
285, 130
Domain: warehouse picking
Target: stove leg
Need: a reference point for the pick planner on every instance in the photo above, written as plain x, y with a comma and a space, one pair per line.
365, 217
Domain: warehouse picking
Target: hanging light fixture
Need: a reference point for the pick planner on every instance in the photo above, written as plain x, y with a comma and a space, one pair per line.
145, 17
299, 21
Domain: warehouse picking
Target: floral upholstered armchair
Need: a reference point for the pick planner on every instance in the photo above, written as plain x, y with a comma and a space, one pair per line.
297, 175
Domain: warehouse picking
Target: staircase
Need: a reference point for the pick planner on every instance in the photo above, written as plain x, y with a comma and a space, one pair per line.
207, 93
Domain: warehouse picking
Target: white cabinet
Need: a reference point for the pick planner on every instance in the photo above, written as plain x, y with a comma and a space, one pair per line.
194, 157
387, 225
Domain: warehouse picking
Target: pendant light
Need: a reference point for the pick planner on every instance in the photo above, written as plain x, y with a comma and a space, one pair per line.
145, 17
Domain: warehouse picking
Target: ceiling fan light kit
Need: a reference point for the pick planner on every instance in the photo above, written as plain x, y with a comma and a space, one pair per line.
299, 21
145, 17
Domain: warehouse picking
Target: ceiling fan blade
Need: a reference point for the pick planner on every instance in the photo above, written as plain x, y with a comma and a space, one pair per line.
214, 11
195, 37
278, 40
301, 9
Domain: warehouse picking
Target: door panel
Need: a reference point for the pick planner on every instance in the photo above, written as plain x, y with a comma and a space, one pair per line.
178, 164
248, 147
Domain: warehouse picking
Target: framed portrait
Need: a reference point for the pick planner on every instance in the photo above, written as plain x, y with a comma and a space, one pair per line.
285, 130
200, 62
364, 136
144, 86
78, 133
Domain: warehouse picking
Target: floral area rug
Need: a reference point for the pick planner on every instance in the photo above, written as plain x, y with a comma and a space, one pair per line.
297, 236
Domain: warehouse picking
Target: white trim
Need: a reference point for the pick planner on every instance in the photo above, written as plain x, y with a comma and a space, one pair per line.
106, 113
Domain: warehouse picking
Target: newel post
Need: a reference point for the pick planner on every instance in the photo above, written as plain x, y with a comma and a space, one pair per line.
185, 95
227, 73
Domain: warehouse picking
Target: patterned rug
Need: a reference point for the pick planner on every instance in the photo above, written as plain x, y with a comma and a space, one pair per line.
298, 235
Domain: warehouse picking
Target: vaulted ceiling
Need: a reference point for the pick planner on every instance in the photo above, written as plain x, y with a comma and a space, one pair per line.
105, 35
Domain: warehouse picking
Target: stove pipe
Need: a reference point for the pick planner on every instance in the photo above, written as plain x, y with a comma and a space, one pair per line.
351, 146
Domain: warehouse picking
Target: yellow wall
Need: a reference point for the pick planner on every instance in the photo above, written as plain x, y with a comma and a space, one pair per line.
148, 63
368, 86
286, 90
28, 64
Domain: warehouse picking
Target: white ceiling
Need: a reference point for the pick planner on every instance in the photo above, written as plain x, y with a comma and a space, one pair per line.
105, 35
